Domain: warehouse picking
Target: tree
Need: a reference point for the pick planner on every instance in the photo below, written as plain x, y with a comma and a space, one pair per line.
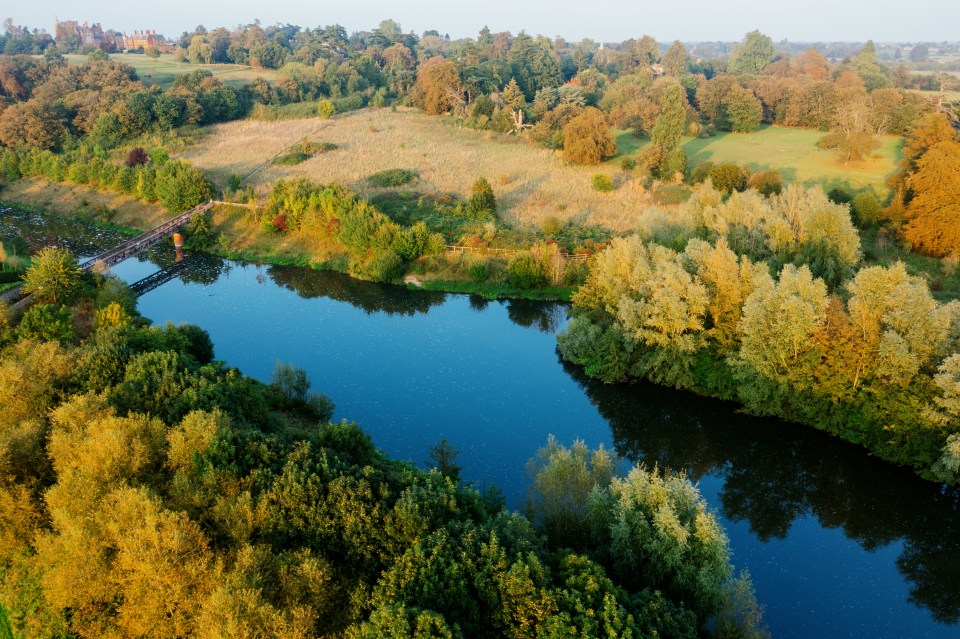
200, 51
482, 200
443, 457
47, 323
676, 60
668, 130
852, 136
54, 276
933, 213
587, 138
563, 480
779, 322
744, 111
919, 53
865, 65
752, 55
439, 86
179, 187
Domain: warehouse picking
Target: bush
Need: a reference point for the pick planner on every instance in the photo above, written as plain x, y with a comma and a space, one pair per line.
234, 182
291, 159
325, 109
137, 156
602, 183
867, 208
767, 183
392, 178
479, 272
526, 272
729, 177
47, 323
179, 187
482, 201
628, 164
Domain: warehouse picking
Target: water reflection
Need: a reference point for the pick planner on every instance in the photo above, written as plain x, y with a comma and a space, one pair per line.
372, 297
545, 316
774, 472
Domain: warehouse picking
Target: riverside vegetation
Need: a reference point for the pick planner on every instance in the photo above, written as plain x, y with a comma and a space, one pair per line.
738, 283
149, 489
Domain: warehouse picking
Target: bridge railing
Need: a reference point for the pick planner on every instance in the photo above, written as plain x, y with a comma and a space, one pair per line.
146, 240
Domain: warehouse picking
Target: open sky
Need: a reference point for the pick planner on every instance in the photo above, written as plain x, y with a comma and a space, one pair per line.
614, 20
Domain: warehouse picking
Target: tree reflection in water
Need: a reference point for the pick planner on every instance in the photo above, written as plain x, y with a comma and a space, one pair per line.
774, 472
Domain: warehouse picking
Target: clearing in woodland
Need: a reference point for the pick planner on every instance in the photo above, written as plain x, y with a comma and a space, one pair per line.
163, 70
532, 184
793, 152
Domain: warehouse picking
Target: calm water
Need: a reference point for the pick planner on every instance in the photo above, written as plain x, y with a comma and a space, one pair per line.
838, 544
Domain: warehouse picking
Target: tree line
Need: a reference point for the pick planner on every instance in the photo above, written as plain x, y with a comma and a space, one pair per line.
763, 300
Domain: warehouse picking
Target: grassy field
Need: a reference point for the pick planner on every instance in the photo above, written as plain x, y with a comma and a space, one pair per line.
793, 152
532, 184
162, 71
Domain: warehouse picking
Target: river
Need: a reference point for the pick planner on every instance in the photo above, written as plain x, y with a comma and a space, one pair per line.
838, 543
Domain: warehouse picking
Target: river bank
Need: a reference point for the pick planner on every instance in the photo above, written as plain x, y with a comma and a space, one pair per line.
242, 241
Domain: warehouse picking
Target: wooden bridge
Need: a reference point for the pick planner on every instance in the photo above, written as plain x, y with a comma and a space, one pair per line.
18, 301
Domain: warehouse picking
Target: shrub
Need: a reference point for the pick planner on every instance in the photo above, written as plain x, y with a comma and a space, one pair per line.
234, 182
628, 164
729, 177
179, 187
47, 323
291, 159
526, 271
325, 109
482, 201
551, 225
767, 183
137, 156
602, 183
867, 208
392, 178
479, 272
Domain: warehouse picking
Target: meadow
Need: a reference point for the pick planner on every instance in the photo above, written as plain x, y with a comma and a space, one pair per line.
163, 70
793, 152
533, 185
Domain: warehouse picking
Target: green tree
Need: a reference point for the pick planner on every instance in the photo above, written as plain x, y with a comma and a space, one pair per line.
865, 65
655, 531
668, 130
744, 111
54, 276
443, 457
563, 480
752, 55
179, 186
676, 60
482, 201
47, 323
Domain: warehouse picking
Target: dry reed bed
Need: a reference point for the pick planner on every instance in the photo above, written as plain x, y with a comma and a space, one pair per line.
531, 183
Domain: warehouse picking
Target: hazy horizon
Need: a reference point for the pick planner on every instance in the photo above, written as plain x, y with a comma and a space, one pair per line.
700, 20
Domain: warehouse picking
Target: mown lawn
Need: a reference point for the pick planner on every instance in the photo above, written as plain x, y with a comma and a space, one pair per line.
793, 152
163, 70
